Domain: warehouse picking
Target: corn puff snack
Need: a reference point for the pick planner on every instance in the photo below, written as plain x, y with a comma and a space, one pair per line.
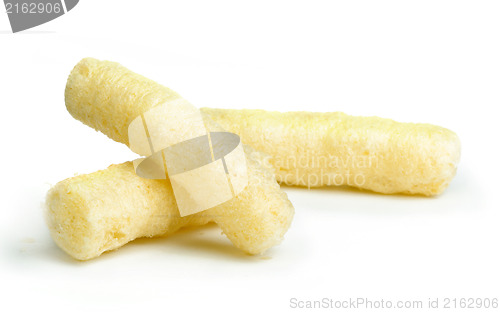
371, 153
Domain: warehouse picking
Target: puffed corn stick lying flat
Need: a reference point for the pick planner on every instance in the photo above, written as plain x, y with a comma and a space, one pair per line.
90, 214
93, 213
318, 149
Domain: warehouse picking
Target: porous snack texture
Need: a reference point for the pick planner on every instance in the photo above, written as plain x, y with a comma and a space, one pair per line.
371, 153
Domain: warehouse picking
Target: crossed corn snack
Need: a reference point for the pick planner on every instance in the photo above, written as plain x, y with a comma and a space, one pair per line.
90, 214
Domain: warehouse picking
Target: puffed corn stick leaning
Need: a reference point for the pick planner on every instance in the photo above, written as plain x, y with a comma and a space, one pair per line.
372, 153
90, 214
319, 149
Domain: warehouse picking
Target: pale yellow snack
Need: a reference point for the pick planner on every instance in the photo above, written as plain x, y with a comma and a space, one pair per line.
90, 214
93, 213
372, 153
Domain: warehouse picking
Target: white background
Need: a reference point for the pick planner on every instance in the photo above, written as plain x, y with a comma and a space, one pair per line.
416, 61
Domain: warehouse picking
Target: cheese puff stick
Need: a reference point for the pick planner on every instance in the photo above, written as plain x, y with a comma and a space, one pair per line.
372, 153
107, 97
93, 213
